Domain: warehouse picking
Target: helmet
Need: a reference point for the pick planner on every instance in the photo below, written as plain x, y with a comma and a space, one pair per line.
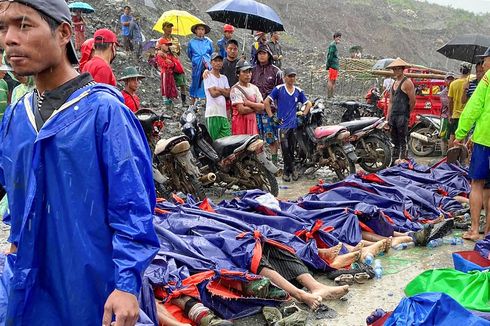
465, 68
228, 28
242, 65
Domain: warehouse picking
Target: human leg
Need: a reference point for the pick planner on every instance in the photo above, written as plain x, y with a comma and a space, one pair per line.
394, 138
486, 204
476, 203
197, 312
285, 136
318, 289
402, 136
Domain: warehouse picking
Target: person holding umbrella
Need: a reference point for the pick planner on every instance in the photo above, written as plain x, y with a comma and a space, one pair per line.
199, 52
476, 113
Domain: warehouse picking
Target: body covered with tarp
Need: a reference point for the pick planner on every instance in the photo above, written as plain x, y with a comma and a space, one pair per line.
81, 197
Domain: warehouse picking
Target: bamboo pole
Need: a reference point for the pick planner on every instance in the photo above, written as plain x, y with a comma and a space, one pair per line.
389, 73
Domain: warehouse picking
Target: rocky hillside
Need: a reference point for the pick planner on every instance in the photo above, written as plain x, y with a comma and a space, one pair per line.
410, 29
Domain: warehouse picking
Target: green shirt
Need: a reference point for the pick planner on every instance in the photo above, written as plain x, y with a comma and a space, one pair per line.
332, 56
477, 112
20, 90
4, 90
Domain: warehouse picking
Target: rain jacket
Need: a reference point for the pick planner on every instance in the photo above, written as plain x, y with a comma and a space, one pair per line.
81, 197
199, 52
477, 111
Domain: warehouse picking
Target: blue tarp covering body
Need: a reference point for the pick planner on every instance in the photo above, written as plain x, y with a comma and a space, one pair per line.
430, 309
483, 247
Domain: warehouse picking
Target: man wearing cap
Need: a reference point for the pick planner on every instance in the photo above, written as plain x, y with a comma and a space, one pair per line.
402, 102
287, 96
77, 170
476, 114
443, 133
266, 76
276, 49
332, 63
217, 89
260, 40
105, 45
228, 31
126, 19
199, 52
132, 80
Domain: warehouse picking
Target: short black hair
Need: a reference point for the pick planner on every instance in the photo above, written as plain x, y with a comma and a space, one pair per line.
53, 24
101, 46
337, 34
479, 63
127, 7
232, 41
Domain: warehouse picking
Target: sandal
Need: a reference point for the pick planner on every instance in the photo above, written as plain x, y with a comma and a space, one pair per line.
344, 279
361, 278
357, 267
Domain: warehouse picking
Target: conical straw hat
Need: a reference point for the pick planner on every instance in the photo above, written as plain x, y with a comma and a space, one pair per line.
398, 63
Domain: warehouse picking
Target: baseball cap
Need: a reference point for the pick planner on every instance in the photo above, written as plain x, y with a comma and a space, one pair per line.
57, 10
105, 35
450, 75
289, 72
216, 55
165, 41
243, 65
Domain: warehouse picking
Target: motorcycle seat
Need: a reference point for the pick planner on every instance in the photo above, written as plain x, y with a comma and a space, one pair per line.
175, 145
226, 145
356, 125
327, 131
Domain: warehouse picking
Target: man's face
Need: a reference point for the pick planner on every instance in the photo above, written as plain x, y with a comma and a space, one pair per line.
228, 35
127, 11
486, 64
479, 72
290, 79
133, 84
449, 81
200, 31
398, 71
217, 63
167, 30
275, 36
263, 57
263, 38
232, 51
245, 76
338, 39
27, 39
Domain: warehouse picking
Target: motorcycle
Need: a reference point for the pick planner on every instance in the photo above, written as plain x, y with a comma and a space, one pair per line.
173, 166
355, 110
323, 146
424, 135
236, 160
373, 146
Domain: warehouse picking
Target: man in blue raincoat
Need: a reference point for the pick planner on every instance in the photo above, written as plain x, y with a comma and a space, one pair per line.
77, 171
199, 52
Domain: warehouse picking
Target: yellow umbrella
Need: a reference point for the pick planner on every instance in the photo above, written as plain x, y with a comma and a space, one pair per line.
182, 21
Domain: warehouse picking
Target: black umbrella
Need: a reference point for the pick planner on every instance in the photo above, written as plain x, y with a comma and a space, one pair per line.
248, 14
466, 47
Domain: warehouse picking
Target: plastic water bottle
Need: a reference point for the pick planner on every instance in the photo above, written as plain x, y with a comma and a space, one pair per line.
378, 269
368, 260
453, 241
403, 246
435, 243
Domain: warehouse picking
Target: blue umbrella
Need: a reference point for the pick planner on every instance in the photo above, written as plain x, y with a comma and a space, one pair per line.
82, 6
248, 14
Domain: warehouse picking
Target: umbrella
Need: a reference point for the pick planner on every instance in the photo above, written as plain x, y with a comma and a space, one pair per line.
248, 14
382, 63
182, 21
466, 47
82, 6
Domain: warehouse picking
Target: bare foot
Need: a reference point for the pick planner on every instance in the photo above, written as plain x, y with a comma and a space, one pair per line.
342, 261
312, 300
469, 235
358, 246
397, 240
331, 253
374, 249
331, 292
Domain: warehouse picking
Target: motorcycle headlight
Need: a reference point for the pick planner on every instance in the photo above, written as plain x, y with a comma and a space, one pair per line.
190, 117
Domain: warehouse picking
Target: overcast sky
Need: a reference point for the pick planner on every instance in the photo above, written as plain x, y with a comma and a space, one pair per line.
477, 6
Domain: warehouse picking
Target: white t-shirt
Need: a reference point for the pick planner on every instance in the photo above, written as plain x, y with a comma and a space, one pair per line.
252, 91
215, 106
388, 83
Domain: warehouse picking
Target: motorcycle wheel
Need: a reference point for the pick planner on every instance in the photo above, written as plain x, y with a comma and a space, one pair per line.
419, 148
382, 154
193, 186
262, 178
345, 166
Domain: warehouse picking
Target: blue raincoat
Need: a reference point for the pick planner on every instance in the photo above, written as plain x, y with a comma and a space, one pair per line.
81, 198
199, 52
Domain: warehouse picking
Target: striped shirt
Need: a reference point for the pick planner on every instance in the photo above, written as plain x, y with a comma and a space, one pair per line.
471, 88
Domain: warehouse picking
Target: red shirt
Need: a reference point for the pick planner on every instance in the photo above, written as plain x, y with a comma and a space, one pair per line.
131, 101
100, 70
